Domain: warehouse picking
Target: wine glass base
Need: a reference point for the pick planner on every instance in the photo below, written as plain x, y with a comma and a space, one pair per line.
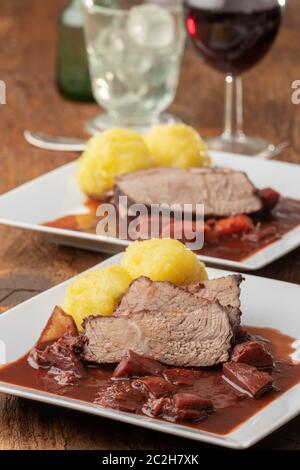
239, 144
105, 121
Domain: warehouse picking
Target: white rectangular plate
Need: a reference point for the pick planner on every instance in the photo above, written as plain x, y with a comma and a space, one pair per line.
21, 327
56, 194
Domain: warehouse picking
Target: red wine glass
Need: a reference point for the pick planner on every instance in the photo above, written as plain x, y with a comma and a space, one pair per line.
232, 36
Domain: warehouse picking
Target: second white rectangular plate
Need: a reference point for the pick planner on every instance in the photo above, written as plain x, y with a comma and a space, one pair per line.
21, 326
56, 194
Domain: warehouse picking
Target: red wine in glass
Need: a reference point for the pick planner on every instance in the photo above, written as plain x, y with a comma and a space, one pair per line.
232, 36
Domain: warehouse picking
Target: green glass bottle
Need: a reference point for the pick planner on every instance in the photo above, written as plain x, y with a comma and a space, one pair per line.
73, 73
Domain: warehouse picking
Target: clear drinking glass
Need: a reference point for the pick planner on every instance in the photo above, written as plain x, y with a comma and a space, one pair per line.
232, 36
134, 51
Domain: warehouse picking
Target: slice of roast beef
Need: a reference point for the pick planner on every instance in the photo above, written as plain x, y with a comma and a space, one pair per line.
188, 332
252, 353
107, 339
247, 378
143, 294
135, 365
224, 289
223, 191
181, 406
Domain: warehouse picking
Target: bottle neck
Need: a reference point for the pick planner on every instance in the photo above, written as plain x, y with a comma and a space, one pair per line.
74, 4
73, 14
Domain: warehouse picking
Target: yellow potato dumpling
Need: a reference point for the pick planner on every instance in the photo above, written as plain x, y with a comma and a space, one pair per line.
110, 154
96, 293
163, 260
178, 146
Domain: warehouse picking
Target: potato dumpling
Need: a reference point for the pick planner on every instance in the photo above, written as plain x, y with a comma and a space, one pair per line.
96, 293
108, 155
163, 260
177, 145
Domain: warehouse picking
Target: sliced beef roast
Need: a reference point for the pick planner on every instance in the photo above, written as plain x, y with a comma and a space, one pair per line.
187, 332
143, 294
224, 289
224, 192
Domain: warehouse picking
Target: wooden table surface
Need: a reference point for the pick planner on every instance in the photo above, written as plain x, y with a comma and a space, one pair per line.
29, 264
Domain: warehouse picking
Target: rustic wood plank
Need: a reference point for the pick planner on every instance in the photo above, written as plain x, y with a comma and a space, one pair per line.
29, 264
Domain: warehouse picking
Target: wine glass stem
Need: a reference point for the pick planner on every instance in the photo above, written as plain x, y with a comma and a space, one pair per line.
233, 127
